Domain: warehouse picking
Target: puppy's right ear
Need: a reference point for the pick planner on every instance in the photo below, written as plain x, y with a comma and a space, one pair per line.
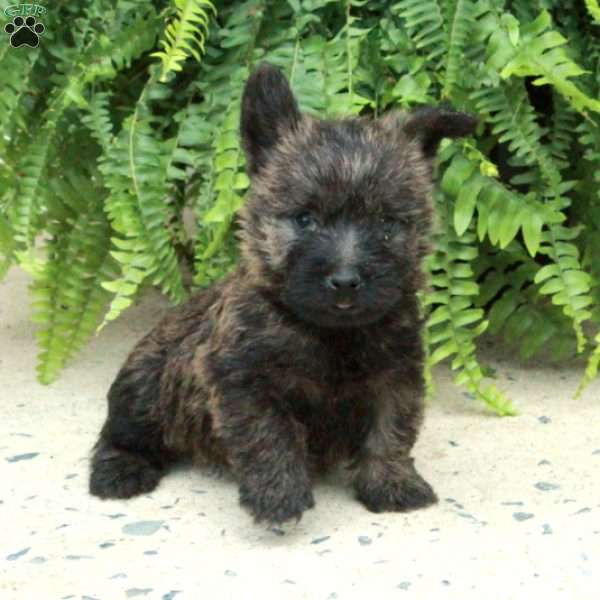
269, 110
429, 124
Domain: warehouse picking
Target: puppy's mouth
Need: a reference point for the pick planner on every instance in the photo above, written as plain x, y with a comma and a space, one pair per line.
336, 310
348, 312
348, 315
337, 314
346, 307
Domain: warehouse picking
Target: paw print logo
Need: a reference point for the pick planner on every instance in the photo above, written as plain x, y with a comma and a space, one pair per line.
24, 32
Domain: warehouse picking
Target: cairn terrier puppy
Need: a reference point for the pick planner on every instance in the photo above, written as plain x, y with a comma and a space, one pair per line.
310, 353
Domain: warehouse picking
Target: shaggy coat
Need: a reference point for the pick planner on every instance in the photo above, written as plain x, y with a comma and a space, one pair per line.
310, 353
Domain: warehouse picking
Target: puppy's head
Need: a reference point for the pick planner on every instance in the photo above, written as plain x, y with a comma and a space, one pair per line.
339, 214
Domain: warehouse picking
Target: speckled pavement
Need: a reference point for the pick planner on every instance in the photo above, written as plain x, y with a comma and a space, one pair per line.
518, 518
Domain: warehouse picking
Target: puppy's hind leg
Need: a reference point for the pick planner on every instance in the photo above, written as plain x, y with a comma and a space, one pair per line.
130, 457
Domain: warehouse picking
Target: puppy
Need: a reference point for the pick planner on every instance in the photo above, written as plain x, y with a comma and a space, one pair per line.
310, 353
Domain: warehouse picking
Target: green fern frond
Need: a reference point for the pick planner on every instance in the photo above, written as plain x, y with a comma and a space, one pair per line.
109, 52
136, 170
197, 137
98, 120
354, 36
224, 192
7, 246
411, 83
67, 294
455, 322
135, 267
540, 54
68, 299
565, 279
221, 156
185, 34
94, 64
25, 210
591, 371
230, 183
428, 365
589, 211
515, 124
562, 132
15, 72
133, 39
589, 137
425, 25
326, 69
518, 311
508, 109
501, 213
593, 9
461, 22
281, 32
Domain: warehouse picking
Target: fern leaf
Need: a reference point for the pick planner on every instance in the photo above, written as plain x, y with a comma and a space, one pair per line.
524, 318
67, 295
25, 211
135, 266
515, 124
455, 322
93, 65
428, 365
460, 25
133, 39
562, 132
326, 70
214, 255
225, 192
591, 371
501, 213
508, 109
589, 211
7, 246
221, 157
98, 120
136, 169
425, 25
15, 72
594, 10
565, 279
185, 34
540, 54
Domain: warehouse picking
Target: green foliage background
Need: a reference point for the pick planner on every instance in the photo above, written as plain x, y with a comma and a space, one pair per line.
121, 163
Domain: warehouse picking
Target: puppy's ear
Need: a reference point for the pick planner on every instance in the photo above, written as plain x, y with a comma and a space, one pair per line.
430, 124
269, 110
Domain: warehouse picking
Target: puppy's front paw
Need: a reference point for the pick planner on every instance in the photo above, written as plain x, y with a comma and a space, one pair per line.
119, 474
281, 501
402, 495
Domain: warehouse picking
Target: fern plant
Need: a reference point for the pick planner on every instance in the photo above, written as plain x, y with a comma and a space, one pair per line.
184, 35
121, 164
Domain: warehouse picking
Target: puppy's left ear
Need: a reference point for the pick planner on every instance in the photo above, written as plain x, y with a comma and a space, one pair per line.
430, 124
269, 110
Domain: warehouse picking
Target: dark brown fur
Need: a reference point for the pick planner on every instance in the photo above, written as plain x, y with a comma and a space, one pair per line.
310, 353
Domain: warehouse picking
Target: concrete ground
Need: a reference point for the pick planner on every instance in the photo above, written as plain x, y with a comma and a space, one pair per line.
518, 516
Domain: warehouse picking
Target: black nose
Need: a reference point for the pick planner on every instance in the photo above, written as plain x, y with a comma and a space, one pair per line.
344, 280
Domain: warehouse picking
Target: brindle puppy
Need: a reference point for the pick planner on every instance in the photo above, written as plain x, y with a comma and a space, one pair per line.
310, 353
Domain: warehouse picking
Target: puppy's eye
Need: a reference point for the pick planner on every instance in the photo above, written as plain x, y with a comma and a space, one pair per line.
388, 225
306, 220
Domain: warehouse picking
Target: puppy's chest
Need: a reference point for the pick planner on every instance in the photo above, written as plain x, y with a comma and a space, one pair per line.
340, 368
